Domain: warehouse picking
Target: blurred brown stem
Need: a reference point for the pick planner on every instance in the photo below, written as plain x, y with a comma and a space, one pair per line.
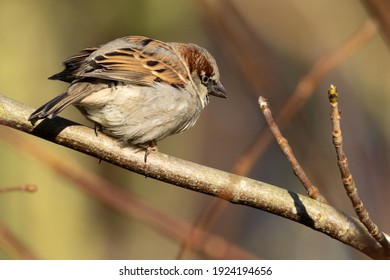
24, 188
380, 10
14, 246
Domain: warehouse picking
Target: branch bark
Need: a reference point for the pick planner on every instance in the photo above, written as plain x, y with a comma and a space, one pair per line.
233, 188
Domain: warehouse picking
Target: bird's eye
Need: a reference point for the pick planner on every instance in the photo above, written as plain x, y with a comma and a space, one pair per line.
204, 79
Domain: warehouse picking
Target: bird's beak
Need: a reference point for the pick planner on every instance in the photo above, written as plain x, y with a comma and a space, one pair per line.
216, 89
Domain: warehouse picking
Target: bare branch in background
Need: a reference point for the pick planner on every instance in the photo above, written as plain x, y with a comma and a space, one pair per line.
380, 10
14, 246
24, 188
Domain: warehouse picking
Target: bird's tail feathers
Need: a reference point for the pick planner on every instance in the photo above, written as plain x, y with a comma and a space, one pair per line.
53, 107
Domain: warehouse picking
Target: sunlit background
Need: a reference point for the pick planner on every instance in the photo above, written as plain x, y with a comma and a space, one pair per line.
262, 48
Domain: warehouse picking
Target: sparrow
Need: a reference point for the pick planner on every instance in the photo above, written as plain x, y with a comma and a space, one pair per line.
137, 89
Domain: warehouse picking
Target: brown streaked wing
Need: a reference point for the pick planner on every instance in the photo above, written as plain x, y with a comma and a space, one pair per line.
72, 66
142, 62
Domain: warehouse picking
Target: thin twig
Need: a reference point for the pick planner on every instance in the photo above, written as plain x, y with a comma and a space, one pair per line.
348, 181
24, 188
312, 190
236, 189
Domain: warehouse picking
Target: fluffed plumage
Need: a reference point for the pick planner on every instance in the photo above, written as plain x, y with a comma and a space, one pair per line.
137, 89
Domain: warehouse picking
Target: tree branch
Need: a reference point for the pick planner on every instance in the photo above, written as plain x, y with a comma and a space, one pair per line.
236, 189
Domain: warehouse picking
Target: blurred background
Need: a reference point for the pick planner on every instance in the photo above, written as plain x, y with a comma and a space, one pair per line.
262, 48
